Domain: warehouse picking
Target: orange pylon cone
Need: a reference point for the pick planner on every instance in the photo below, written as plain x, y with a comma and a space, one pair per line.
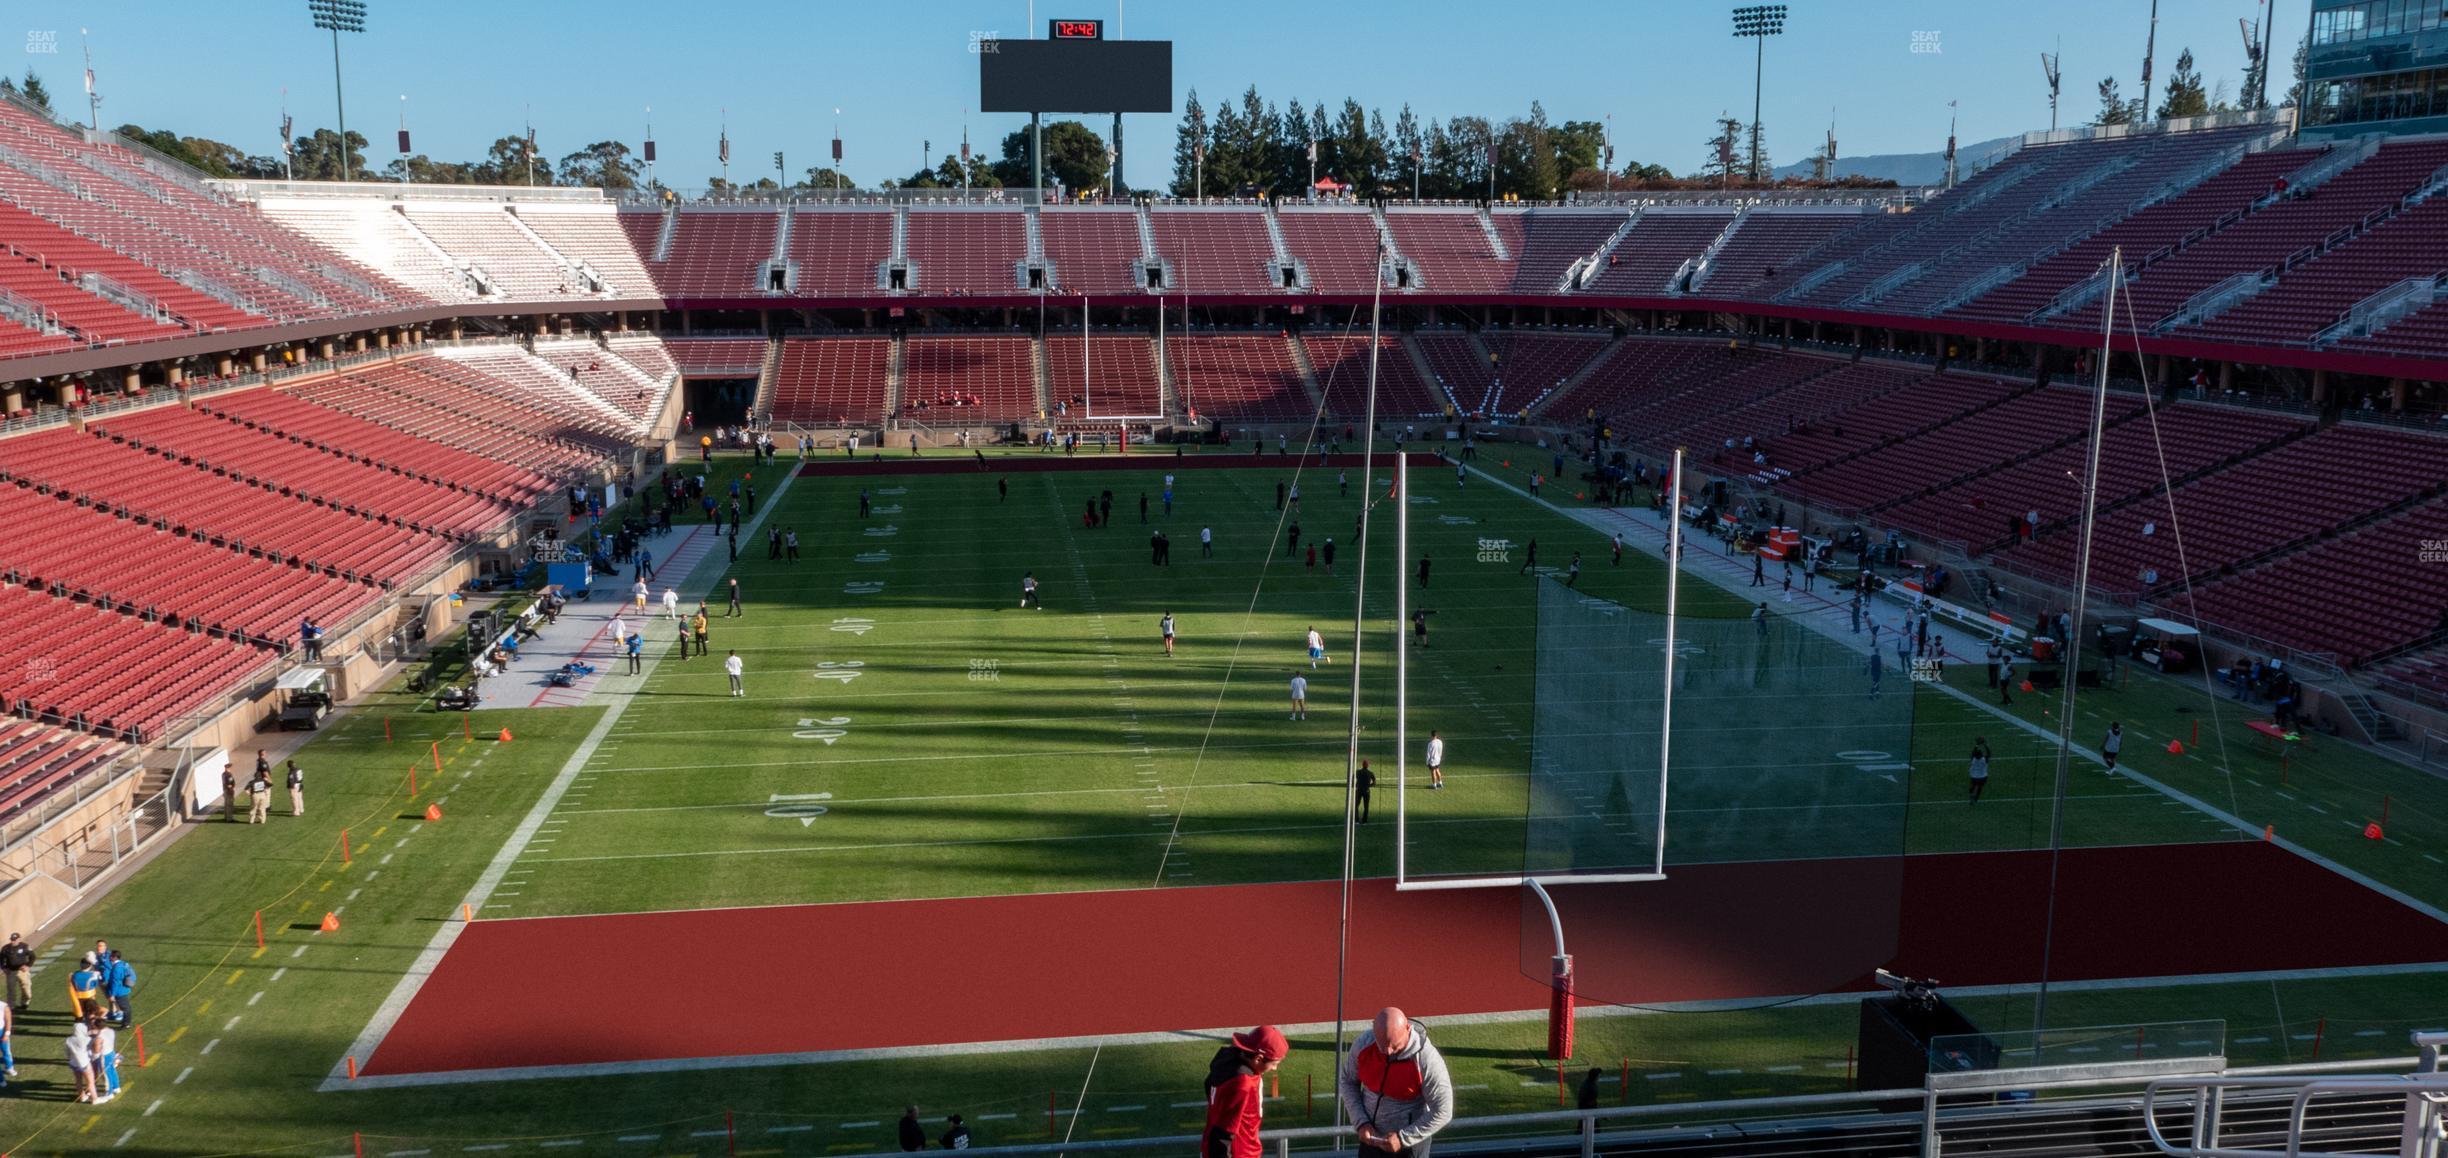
2371, 831
2027, 688
2175, 747
505, 736
433, 812
331, 922
2269, 832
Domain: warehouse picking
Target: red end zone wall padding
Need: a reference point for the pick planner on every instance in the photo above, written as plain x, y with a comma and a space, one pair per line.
662, 986
953, 460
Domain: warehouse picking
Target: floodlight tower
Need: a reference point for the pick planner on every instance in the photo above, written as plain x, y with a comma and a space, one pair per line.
339, 16
2049, 69
1758, 22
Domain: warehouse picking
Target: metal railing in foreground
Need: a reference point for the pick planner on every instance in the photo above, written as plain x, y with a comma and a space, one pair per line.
2042, 1114
2422, 1097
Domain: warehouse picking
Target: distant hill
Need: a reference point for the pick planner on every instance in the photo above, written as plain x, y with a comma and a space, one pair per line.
1910, 168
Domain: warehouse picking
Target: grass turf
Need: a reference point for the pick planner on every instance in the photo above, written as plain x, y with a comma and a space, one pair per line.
986, 749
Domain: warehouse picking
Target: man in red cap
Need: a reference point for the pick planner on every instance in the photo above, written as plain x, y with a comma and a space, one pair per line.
1236, 1098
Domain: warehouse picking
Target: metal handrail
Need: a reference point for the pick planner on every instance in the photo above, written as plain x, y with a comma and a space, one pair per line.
2424, 1085
1753, 1109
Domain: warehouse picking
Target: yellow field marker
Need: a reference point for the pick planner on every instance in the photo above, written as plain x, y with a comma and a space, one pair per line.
89, 1124
179, 1032
235, 974
204, 1008
379, 831
255, 954
325, 888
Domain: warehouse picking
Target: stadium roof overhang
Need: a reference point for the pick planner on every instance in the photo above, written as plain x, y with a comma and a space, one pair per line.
112, 357
1320, 305
2295, 357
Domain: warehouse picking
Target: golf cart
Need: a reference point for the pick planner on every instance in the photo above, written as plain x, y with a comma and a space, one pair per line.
304, 700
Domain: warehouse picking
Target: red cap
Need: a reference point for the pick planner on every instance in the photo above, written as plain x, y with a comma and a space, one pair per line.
1266, 1041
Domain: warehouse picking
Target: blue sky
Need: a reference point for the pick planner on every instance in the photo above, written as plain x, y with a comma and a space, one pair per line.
901, 73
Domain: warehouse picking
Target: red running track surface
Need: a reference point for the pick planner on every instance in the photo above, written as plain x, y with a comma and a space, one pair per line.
576, 990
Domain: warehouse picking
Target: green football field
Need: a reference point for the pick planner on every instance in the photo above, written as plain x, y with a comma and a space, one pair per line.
912, 732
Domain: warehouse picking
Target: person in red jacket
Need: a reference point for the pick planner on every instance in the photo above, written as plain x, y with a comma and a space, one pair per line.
1236, 1095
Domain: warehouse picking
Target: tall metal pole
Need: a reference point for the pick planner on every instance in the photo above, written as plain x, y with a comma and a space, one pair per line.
1087, 395
1037, 155
1402, 650
1674, 585
1351, 734
2115, 273
1759, 61
2269, 19
2150, 50
340, 98
93, 98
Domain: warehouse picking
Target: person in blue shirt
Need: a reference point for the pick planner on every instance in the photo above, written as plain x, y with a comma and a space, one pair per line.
119, 980
85, 987
8, 1044
637, 647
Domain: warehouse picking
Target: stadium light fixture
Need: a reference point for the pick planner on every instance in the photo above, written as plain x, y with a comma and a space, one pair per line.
338, 16
1758, 22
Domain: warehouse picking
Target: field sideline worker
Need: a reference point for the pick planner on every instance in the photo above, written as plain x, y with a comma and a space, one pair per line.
1395, 1087
17, 963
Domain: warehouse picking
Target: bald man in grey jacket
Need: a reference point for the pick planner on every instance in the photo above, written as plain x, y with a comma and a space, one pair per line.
1395, 1087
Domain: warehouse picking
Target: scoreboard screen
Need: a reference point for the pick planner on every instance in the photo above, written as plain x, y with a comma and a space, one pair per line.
1075, 30
1076, 73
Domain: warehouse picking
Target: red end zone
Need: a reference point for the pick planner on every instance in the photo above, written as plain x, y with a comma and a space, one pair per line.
651, 987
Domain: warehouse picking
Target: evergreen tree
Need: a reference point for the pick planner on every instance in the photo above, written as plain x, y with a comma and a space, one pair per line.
1725, 152
2114, 109
1409, 147
1756, 164
1188, 140
2295, 92
2186, 95
2254, 94
35, 92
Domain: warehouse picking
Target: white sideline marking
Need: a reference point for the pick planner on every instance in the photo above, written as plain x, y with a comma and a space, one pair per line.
447, 934
123, 1138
